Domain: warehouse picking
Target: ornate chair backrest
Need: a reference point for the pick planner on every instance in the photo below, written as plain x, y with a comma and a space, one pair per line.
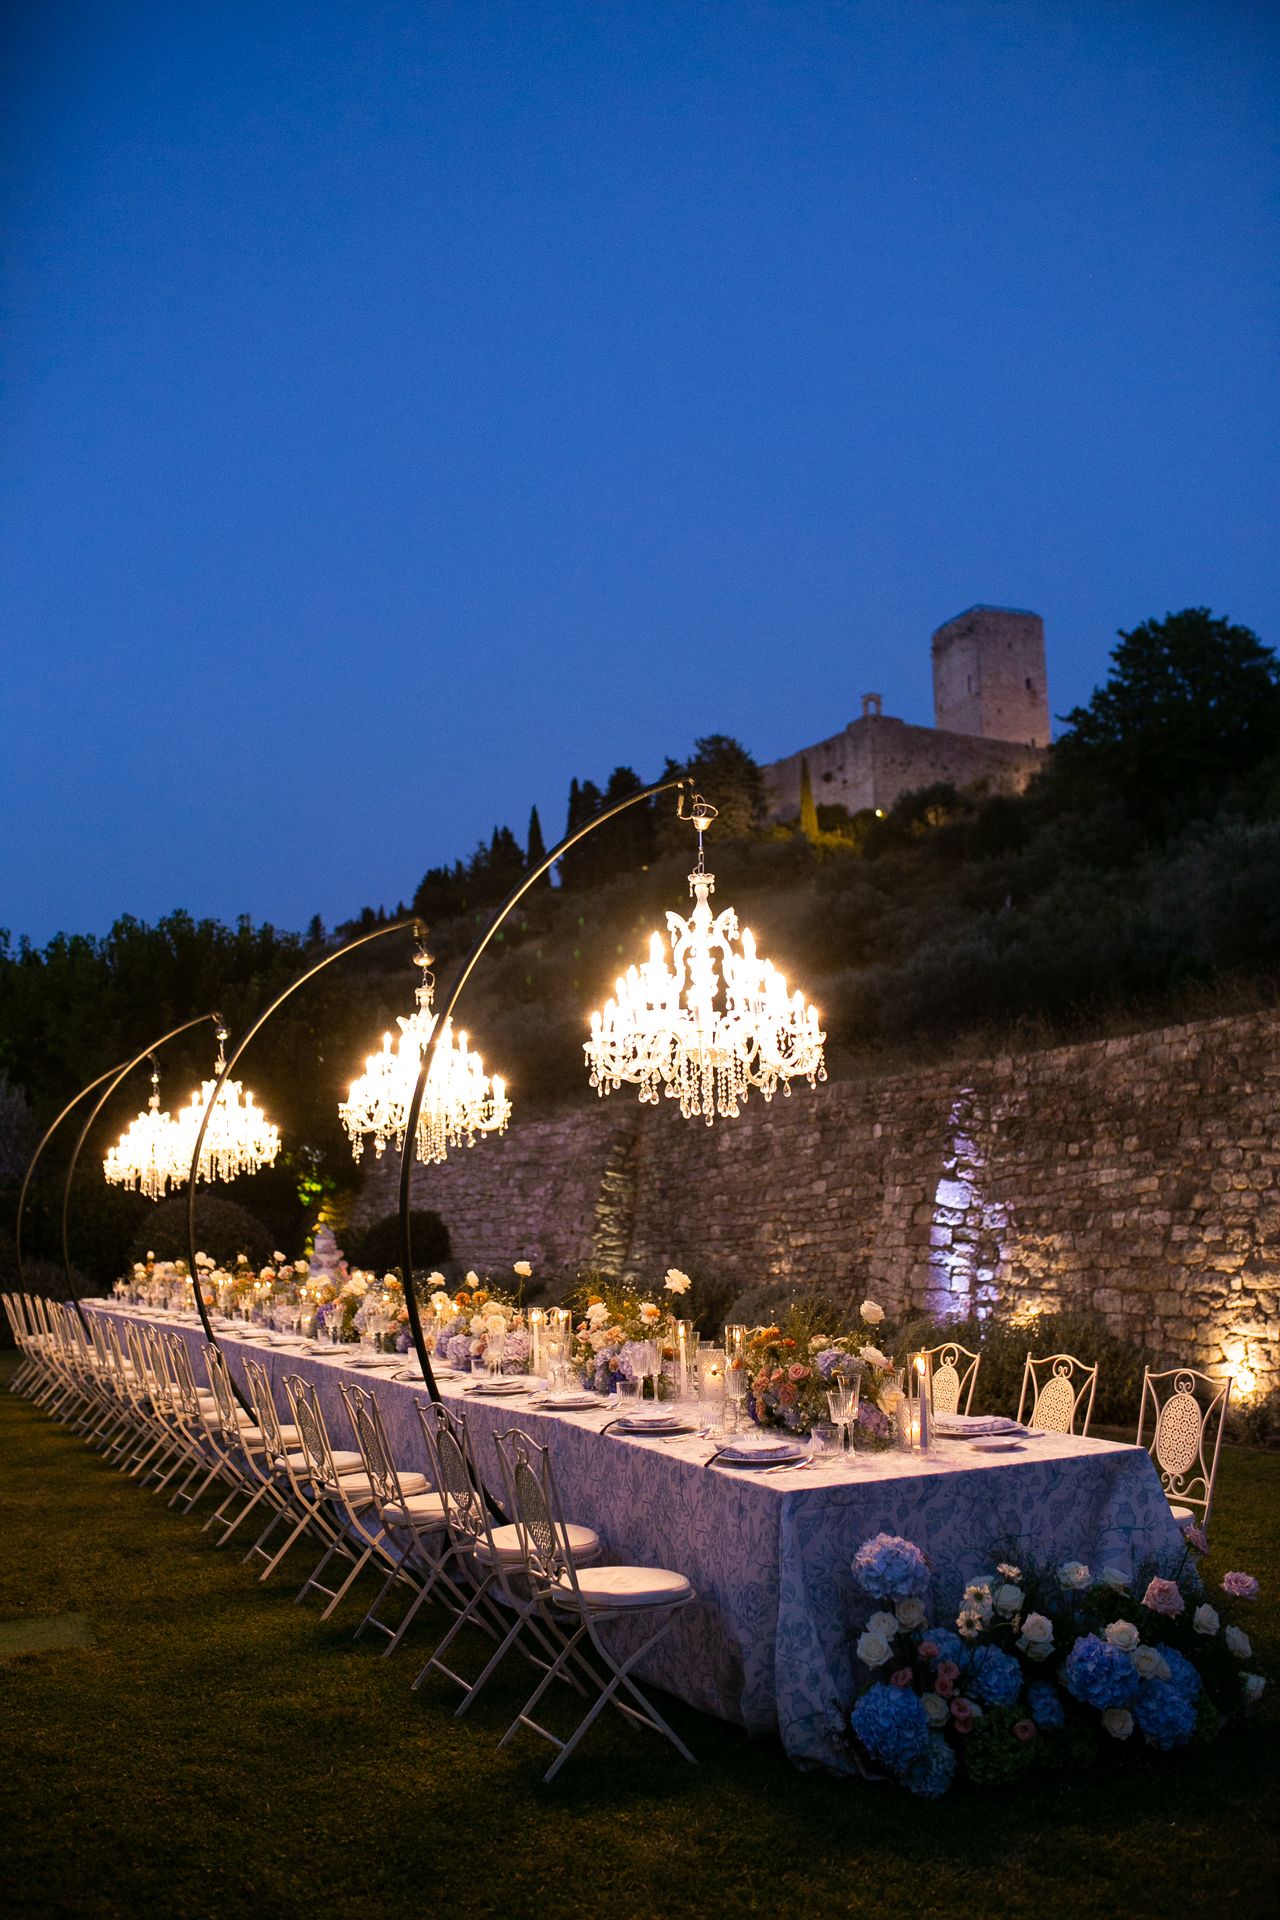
308, 1418
1185, 1436
115, 1362
137, 1356
182, 1383
158, 1369
453, 1470
101, 1351
371, 1438
1061, 1390
534, 1506
264, 1407
955, 1373
224, 1399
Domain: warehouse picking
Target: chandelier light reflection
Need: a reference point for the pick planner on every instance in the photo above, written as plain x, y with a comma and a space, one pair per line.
711, 1026
149, 1153
239, 1137
459, 1103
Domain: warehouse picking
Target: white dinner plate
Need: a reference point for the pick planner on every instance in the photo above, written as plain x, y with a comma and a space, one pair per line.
569, 1402
769, 1453
649, 1422
498, 1389
652, 1433
998, 1446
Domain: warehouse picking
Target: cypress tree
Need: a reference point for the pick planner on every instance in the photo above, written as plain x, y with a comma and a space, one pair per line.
536, 849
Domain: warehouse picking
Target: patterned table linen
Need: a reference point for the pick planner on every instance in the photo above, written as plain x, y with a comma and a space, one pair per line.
769, 1643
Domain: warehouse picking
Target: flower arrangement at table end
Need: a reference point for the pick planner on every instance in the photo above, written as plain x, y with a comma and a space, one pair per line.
1042, 1669
792, 1368
473, 1315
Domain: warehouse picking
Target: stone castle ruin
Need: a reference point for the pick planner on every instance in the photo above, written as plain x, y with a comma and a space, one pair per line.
991, 712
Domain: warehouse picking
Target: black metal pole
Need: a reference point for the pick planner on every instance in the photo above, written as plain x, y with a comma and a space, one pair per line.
31, 1166
464, 973
114, 1079
392, 926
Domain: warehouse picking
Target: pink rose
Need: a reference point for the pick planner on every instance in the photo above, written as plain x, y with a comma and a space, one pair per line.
787, 1395
948, 1670
962, 1714
928, 1650
1163, 1596
1196, 1539
798, 1372
1024, 1729
1241, 1586
944, 1685
902, 1678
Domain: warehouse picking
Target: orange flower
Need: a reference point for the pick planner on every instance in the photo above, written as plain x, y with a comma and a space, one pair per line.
594, 1300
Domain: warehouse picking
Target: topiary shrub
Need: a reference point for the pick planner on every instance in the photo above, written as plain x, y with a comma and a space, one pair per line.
377, 1247
223, 1230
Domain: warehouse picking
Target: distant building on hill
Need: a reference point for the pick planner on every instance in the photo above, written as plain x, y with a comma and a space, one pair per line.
991, 712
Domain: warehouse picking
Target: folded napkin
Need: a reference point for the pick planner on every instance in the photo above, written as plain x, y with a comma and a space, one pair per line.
975, 1426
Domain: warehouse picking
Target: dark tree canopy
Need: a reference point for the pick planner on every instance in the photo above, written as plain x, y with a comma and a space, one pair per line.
724, 773
1191, 705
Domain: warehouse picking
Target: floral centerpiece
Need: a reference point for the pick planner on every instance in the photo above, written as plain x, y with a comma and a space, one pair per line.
791, 1369
610, 1321
479, 1313
1041, 1669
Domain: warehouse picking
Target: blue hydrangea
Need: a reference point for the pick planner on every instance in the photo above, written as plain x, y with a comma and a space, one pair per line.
833, 1360
1165, 1714
1045, 1706
933, 1772
995, 1677
891, 1724
1100, 1675
890, 1568
1182, 1674
950, 1646
458, 1351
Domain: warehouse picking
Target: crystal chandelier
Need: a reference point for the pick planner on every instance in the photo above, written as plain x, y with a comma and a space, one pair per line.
148, 1155
712, 1025
238, 1139
458, 1102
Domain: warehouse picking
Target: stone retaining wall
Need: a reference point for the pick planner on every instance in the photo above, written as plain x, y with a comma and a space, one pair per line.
1135, 1176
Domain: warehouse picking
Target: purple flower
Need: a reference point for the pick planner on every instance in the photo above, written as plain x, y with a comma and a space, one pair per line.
1099, 1675
871, 1419
457, 1351
890, 1568
1241, 1586
1182, 1675
995, 1677
1046, 1708
831, 1361
1165, 1714
891, 1725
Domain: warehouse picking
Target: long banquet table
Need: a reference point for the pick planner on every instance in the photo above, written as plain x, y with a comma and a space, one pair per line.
769, 1643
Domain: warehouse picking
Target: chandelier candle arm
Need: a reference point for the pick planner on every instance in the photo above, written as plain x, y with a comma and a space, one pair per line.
455, 994
98, 1105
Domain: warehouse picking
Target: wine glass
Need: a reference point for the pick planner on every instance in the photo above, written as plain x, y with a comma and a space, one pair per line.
842, 1400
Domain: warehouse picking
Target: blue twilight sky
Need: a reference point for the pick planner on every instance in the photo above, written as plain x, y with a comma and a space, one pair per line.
410, 406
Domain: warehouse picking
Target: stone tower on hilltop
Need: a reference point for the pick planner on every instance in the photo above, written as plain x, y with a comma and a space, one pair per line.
989, 677
991, 706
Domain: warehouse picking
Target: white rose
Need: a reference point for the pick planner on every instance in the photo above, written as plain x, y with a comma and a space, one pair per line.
871, 1312
910, 1614
473, 1278
890, 1398
1036, 1638
477, 1324
1009, 1598
1253, 1687
817, 1341
1118, 1722
300, 1266
1205, 1620
677, 1282
1150, 1663
1112, 1577
874, 1357
435, 1280
649, 1313
440, 1303
495, 1324
936, 1710
1073, 1574
1238, 1643
597, 1314
522, 1270
1122, 1634
139, 1271
873, 1649
278, 1258
884, 1625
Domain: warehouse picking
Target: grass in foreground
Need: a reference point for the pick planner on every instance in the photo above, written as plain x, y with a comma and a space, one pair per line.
218, 1752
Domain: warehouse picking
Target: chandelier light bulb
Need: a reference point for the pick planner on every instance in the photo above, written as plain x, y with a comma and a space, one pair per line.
711, 1025
459, 1102
148, 1155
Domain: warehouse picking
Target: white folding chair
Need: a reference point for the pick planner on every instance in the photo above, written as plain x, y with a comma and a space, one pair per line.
1185, 1437
576, 1604
1061, 1390
297, 1508
955, 1374
417, 1538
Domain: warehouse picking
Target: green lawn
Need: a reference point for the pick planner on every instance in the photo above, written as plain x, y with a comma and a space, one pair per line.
216, 1752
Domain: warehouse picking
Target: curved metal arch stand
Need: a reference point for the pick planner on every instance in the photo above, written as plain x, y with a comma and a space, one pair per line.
392, 926
117, 1075
464, 973
46, 1137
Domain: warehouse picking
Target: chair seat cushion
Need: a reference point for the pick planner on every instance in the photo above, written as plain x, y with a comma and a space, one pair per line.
358, 1486
419, 1510
583, 1544
343, 1462
628, 1586
1184, 1516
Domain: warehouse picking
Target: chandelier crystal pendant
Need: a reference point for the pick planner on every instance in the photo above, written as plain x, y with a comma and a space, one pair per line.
148, 1155
239, 1137
713, 1024
459, 1102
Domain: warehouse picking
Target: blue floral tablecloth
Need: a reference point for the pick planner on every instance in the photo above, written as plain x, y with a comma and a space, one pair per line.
769, 1642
